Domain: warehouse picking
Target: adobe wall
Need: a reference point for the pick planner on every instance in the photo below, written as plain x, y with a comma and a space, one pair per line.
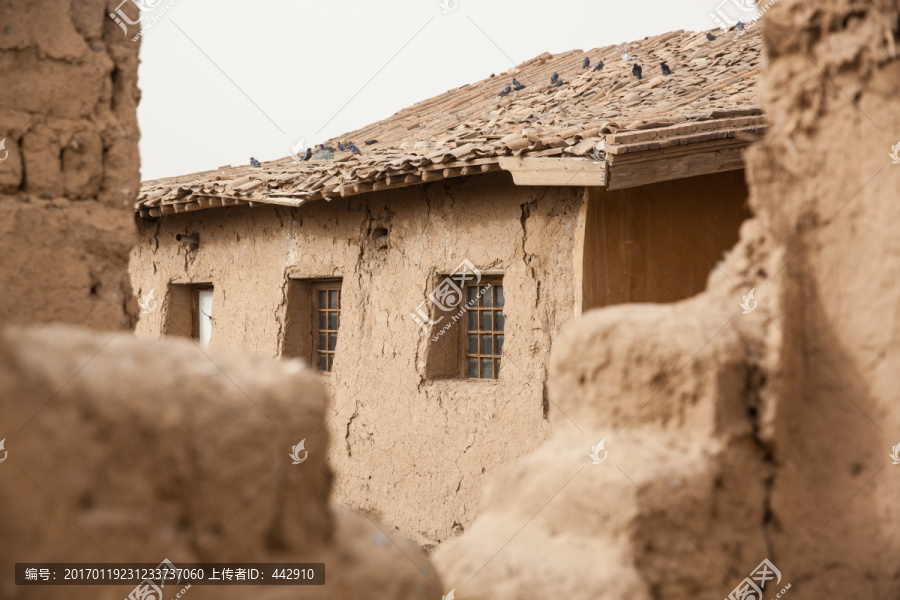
68, 115
826, 188
409, 450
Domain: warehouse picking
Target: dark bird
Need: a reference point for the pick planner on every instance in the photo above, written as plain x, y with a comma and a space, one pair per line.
352, 147
329, 148
307, 155
254, 162
599, 66
665, 69
555, 77
710, 37
740, 25
341, 147
558, 83
586, 63
370, 142
638, 71
505, 91
517, 86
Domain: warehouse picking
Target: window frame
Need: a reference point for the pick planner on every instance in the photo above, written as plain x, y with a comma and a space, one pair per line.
328, 286
495, 282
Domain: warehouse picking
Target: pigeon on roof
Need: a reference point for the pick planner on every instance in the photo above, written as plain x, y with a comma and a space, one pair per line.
328, 148
598, 66
353, 148
517, 85
740, 25
710, 37
505, 91
586, 63
341, 147
558, 83
665, 68
636, 69
370, 142
307, 155
555, 77
627, 57
254, 162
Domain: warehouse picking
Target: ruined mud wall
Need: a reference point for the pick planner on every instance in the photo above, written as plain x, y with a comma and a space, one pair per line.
410, 449
70, 165
826, 190
737, 433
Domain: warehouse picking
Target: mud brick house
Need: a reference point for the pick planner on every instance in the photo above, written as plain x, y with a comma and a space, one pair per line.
427, 277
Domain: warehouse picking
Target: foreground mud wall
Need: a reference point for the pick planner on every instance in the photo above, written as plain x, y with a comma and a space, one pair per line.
410, 447
735, 434
191, 464
826, 190
118, 449
68, 117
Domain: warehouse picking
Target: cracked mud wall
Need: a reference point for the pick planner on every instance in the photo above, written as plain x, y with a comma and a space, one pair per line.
68, 116
409, 449
826, 190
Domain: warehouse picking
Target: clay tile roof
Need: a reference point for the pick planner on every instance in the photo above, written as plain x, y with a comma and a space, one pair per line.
710, 94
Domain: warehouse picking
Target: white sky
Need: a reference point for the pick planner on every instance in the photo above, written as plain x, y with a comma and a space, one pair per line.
251, 78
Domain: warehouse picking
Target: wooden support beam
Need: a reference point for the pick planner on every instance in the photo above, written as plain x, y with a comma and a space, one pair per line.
632, 174
555, 171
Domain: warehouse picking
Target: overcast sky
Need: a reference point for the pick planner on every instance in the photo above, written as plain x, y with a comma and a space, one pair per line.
223, 80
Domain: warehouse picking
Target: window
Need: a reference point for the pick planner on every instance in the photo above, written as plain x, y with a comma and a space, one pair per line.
484, 330
201, 323
188, 311
327, 304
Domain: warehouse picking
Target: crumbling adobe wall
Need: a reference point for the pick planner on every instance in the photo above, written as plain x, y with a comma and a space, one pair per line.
411, 449
736, 437
68, 117
156, 450
826, 190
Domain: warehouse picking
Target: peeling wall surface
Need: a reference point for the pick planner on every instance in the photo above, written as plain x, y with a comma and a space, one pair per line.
70, 164
409, 448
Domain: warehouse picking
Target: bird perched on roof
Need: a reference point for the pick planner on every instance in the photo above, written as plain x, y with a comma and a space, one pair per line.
586, 63
598, 66
665, 68
341, 147
740, 26
306, 155
328, 148
370, 142
710, 37
638, 71
517, 85
558, 83
353, 148
506, 91
555, 77
254, 162
627, 57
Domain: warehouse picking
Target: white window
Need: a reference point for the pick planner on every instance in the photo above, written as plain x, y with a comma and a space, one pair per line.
204, 316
